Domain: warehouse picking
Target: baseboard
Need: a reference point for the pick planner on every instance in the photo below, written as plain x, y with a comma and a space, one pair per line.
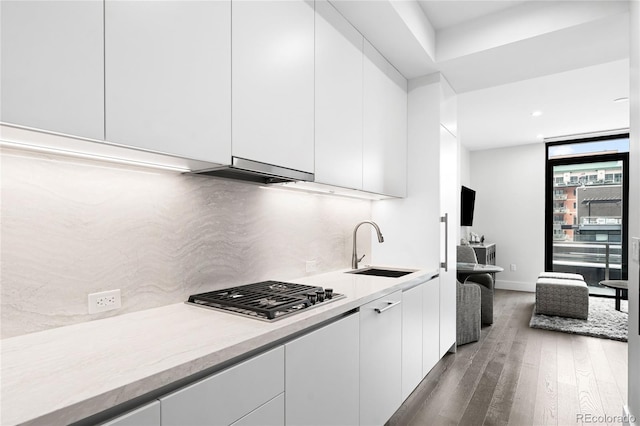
516, 285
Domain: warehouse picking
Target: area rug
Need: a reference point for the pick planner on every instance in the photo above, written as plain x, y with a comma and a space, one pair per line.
604, 321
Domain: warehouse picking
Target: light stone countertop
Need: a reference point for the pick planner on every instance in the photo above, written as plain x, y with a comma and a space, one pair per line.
66, 374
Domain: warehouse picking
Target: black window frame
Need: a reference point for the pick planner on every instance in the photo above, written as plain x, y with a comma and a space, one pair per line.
550, 163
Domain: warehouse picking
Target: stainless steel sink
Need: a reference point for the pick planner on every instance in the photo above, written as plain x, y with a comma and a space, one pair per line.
382, 272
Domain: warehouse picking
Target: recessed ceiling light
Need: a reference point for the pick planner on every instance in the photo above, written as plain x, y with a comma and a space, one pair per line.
625, 99
540, 136
536, 113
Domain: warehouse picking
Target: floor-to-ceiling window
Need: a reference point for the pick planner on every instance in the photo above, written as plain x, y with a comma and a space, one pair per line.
587, 189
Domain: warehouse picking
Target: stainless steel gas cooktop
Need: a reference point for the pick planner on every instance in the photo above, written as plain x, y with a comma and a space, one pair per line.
266, 300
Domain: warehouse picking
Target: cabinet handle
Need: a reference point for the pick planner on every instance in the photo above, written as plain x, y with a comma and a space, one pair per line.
389, 306
445, 219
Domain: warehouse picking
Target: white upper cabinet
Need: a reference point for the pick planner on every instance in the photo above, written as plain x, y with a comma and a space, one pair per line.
52, 66
385, 126
273, 83
168, 77
338, 112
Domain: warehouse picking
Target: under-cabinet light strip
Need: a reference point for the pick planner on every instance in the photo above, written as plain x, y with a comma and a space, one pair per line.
75, 154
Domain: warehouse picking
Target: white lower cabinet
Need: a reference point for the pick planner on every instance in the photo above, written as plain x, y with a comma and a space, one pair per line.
229, 395
270, 414
147, 415
430, 325
356, 370
380, 359
321, 386
411, 339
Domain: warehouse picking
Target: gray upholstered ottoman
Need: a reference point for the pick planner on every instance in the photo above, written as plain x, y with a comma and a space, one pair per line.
562, 297
561, 275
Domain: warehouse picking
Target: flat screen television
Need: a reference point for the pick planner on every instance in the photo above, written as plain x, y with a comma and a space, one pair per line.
467, 204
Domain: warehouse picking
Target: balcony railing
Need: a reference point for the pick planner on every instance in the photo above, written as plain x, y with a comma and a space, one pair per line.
595, 261
598, 220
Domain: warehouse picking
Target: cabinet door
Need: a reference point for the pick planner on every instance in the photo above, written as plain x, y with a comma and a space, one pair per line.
380, 359
272, 83
338, 99
52, 66
229, 395
321, 385
148, 415
270, 414
168, 77
430, 325
385, 126
449, 200
411, 339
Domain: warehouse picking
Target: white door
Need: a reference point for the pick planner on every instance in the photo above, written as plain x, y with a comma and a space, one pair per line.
449, 196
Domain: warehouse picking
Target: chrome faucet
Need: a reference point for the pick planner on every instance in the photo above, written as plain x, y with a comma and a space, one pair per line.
354, 256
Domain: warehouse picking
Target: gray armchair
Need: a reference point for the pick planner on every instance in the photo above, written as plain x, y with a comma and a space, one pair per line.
467, 313
485, 281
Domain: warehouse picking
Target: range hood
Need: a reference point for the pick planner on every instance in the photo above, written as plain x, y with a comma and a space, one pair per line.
256, 172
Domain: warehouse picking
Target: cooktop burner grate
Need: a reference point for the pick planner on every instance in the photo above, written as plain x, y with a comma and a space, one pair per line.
267, 299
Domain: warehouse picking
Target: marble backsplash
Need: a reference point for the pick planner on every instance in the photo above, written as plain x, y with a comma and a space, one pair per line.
70, 227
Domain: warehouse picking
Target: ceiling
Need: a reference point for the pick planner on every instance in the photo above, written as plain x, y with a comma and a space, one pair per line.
508, 58
447, 13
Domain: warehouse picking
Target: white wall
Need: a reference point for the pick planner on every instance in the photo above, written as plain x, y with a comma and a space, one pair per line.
465, 166
464, 169
509, 210
634, 208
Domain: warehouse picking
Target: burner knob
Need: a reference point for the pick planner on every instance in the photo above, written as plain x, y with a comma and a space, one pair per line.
320, 295
328, 292
312, 298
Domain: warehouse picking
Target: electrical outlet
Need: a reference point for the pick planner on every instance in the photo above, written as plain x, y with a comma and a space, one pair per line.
104, 301
513, 267
312, 265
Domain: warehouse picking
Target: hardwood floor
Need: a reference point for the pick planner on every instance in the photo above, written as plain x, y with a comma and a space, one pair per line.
516, 375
